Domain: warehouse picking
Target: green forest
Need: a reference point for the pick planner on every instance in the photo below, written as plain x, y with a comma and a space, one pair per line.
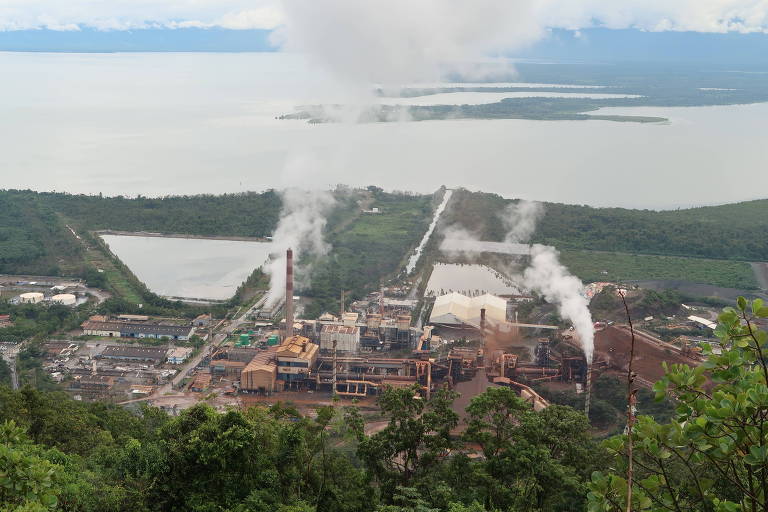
499, 455
616, 239
367, 249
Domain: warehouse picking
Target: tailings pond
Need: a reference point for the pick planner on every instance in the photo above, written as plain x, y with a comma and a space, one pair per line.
189, 267
468, 279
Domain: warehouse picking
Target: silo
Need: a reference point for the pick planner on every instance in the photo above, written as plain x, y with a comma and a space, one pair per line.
65, 299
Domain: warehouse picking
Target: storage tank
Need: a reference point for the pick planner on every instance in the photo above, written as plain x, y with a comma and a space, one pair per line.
31, 297
244, 340
65, 299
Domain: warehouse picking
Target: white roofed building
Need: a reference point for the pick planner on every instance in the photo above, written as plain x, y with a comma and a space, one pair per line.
457, 309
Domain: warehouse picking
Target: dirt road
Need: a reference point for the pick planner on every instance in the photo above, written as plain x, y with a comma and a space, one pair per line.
613, 343
761, 273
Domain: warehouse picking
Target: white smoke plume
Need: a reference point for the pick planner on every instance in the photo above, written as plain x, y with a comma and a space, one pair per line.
300, 228
453, 233
549, 277
520, 219
401, 41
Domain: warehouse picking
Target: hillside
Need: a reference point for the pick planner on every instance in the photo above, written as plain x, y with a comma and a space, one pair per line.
365, 247
33, 240
710, 244
733, 232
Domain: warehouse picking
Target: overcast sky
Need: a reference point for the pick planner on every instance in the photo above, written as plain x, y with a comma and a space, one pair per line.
695, 15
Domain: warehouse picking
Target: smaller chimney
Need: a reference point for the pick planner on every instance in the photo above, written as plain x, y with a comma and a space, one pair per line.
289, 294
588, 390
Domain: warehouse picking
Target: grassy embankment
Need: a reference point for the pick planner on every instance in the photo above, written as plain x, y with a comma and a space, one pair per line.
590, 265
371, 248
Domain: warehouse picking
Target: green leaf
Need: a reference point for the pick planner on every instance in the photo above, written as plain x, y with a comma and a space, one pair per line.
741, 302
756, 305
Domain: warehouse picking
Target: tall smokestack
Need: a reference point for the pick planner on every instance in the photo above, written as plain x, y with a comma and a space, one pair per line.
482, 325
289, 293
588, 390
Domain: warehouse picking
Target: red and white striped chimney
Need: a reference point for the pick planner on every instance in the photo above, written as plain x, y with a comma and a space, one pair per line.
289, 294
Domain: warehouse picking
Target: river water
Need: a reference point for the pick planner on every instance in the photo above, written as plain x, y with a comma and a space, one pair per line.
158, 124
189, 267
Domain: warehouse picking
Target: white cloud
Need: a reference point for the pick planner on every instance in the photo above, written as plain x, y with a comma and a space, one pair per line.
659, 15
400, 41
135, 14
427, 26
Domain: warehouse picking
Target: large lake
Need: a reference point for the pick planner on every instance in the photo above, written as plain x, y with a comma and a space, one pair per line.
192, 268
158, 124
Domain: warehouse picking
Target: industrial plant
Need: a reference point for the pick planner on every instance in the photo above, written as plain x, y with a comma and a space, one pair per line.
383, 342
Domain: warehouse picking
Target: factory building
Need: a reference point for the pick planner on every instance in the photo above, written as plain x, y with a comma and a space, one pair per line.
93, 383
130, 318
349, 319
178, 355
31, 298
136, 330
202, 320
227, 368
296, 357
260, 374
347, 338
127, 353
287, 365
65, 299
456, 309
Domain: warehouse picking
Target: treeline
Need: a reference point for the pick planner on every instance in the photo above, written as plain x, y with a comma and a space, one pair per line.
39, 320
707, 232
32, 237
74, 456
243, 214
708, 454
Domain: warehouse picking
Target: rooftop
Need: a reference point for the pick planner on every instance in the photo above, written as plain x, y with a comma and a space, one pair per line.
157, 353
162, 330
179, 352
264, 360
297, 347
340, 329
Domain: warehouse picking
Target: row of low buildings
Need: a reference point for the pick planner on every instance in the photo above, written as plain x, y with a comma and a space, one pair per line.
129, 329
153, 355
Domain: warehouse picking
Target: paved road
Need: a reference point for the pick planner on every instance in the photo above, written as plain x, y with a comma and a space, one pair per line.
220, 333
9, 354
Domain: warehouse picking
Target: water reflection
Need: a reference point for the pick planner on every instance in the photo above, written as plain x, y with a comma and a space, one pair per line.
192, 268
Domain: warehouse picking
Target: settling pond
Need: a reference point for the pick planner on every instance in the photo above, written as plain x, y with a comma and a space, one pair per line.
468, 279
189, 267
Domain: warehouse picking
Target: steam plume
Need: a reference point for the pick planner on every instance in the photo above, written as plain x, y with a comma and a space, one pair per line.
520, 220
300, 228
546, 275
549, 277
400, 41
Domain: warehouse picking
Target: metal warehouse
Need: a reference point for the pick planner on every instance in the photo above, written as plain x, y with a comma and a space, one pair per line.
136, 330
152, 354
